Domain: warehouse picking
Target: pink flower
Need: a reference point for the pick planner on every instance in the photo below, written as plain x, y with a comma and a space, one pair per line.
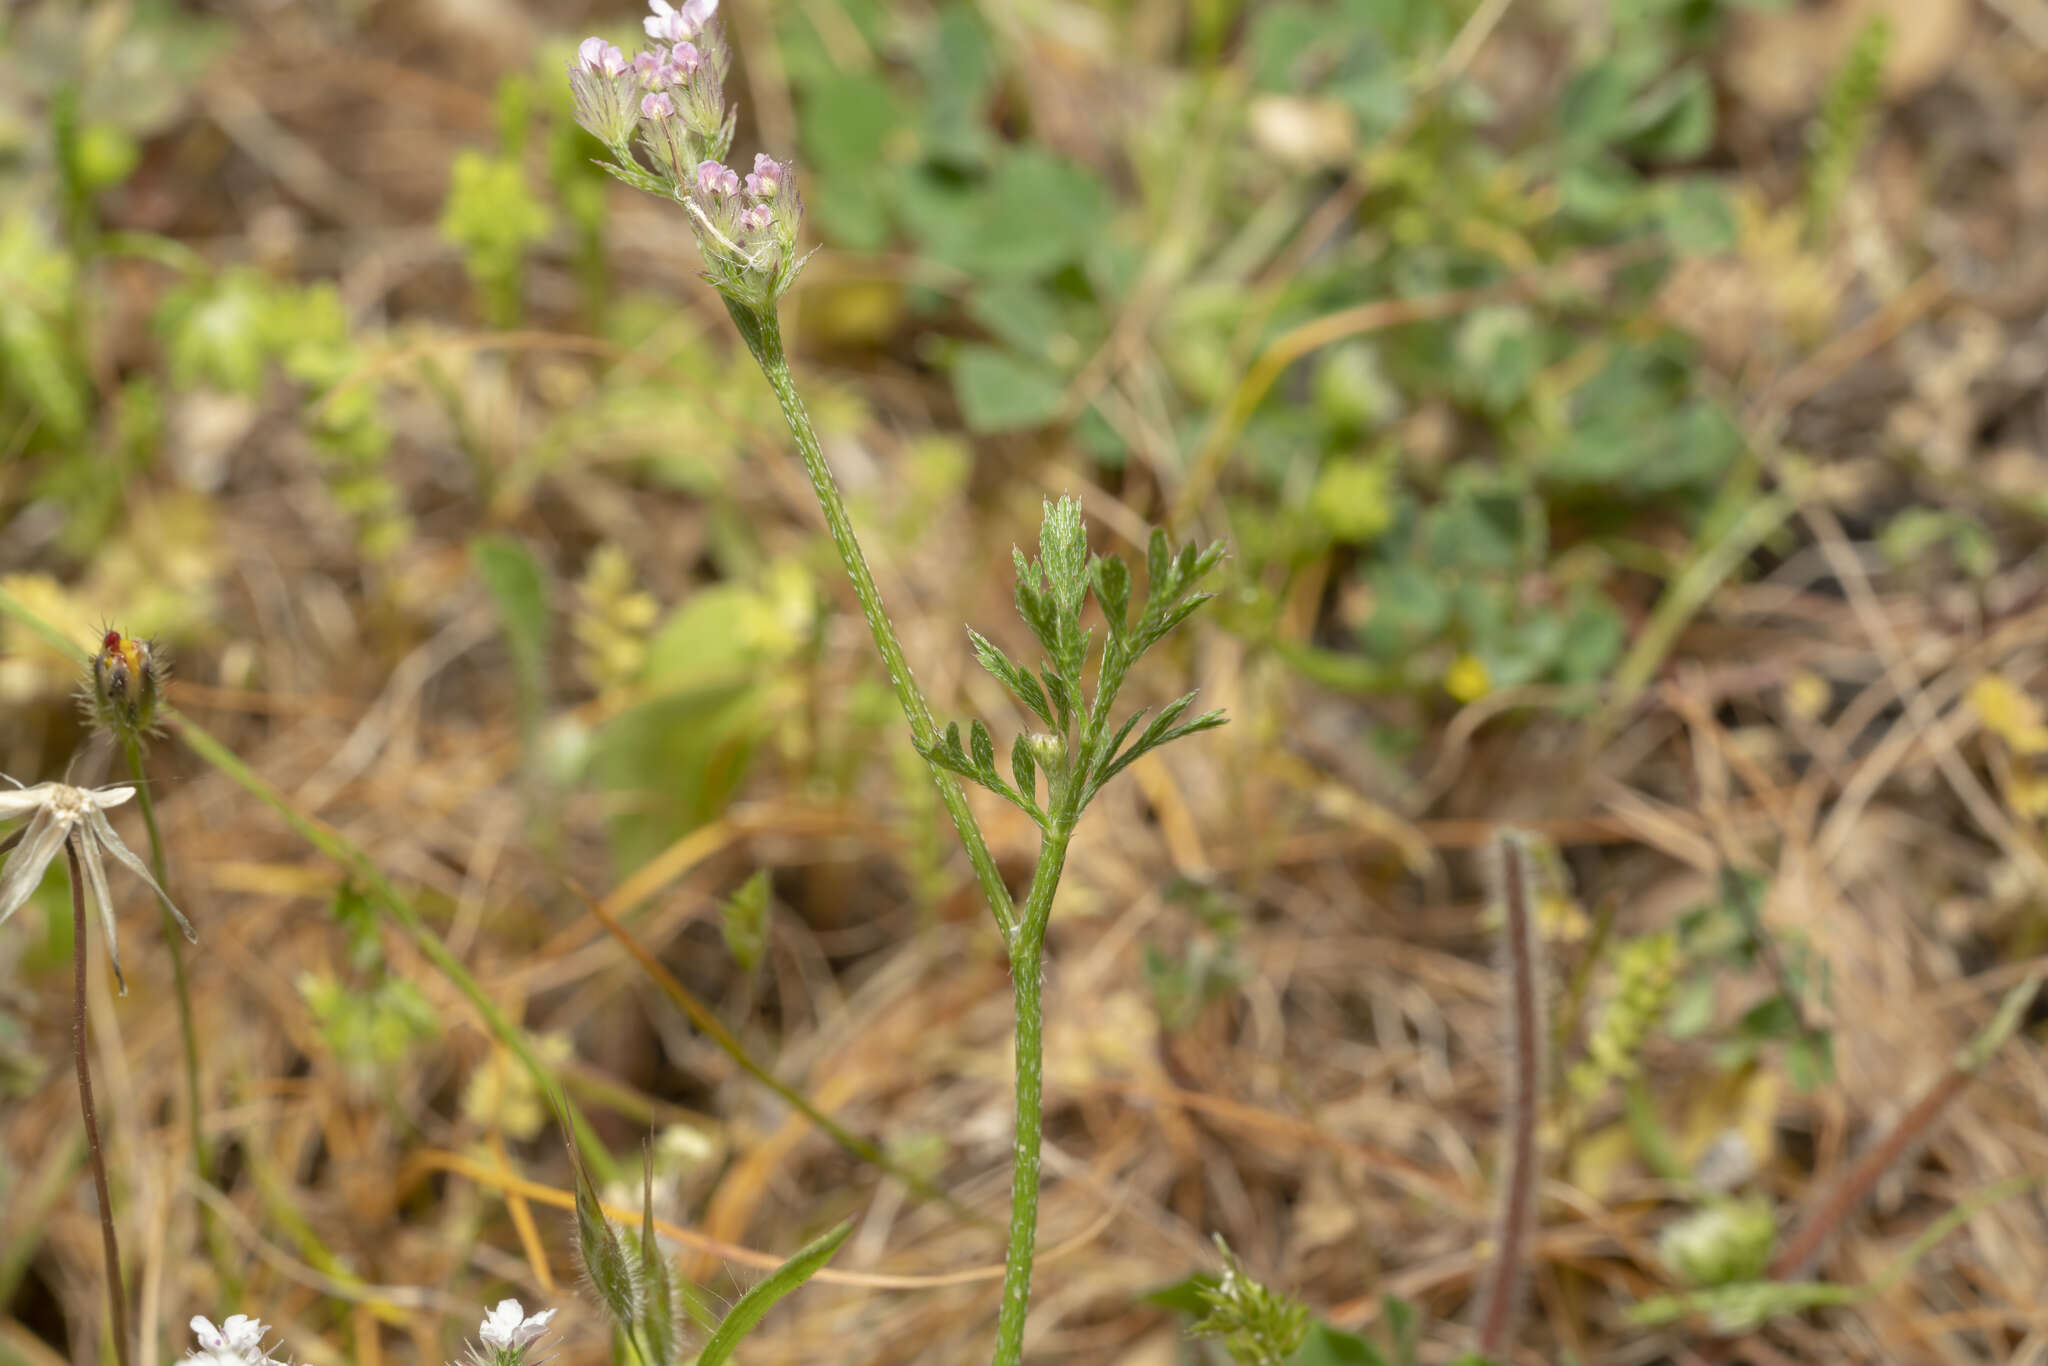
757, 218
683, 59
717, 178
674, 25
600, 58
657, 105
768, 178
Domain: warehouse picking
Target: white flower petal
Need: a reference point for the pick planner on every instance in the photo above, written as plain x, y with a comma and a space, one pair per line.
104, 797
103, 829
244, 1334
96, 878
30, 859
23, 800
209, 1336
535, 1326
501, 1323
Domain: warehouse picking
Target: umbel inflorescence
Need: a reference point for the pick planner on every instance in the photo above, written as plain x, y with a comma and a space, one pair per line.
668, 101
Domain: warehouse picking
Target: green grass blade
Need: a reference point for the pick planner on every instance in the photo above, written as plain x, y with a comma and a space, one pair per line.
757, 1302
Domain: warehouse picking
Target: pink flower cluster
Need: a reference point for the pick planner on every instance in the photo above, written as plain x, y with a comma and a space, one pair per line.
670, 99
759, 214
681, 76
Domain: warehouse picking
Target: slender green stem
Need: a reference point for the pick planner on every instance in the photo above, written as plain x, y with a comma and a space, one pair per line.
1027, 981
174, 937
116, 1294
332, 844
762, 332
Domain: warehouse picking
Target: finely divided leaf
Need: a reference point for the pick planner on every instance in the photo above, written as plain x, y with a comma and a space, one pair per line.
1015, 679
1063, 549
1024, 769
984, 750
1113, 591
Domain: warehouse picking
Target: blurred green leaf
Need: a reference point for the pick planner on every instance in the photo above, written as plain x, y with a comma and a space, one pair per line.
1001, 391
1327, 1346
513, 576
1696, 216
744, 921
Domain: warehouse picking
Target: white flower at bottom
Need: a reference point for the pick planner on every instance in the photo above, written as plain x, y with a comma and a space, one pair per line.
237, 1342
63, 812
508, 1328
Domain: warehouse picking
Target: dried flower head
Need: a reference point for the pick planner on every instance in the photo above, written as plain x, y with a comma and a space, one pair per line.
125, 683
63, 812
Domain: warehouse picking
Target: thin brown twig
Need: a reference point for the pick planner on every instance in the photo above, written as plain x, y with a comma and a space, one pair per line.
1848, 1193
116, 1308
1834, 1207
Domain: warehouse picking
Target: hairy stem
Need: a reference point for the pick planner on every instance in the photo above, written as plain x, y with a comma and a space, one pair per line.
1518, 1182
762, 332
174, 937
1027, 982
116, 1304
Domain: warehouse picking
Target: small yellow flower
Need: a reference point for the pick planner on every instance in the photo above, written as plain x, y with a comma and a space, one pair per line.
1467, 680
2010, 714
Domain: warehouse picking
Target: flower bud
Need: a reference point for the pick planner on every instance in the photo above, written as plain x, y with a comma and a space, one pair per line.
127, 677
602, 85
666, 137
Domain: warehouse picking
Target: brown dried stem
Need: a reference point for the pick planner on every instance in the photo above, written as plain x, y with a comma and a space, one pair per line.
1836, 1206
115, 1303
1525, 1030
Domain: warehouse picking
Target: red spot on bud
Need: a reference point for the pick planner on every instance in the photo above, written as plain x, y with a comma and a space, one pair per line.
112, 642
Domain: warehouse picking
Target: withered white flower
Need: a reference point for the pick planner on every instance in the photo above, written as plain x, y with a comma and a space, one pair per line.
64, 812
